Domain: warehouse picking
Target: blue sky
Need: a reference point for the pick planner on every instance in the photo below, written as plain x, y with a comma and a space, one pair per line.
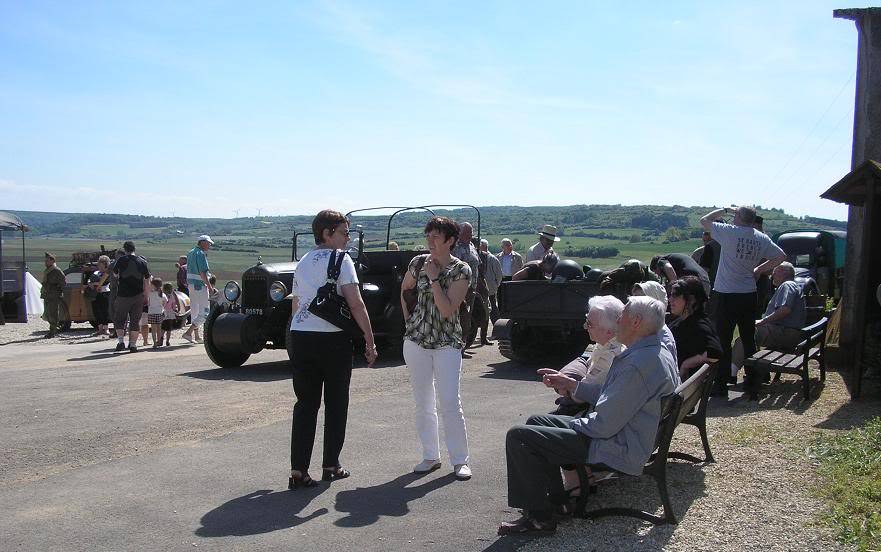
205, 108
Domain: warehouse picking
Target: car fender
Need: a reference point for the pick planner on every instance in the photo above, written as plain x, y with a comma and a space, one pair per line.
503, 328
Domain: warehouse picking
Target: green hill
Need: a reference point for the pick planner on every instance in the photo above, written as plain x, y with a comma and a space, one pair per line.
600, 235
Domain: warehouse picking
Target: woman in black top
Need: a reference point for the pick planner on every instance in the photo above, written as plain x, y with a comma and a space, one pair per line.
696, 340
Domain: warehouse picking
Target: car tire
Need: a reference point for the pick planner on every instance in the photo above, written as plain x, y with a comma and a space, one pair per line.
218, 357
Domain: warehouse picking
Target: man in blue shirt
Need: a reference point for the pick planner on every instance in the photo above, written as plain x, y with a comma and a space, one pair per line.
619, 432
200, 286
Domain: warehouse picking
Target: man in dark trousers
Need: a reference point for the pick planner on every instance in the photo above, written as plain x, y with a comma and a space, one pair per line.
734, 291
134, 276
52, 292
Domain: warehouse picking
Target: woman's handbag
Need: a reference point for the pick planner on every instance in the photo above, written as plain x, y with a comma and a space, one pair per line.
329, 305
412, 295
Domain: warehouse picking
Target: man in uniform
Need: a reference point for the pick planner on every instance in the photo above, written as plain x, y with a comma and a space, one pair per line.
52, 291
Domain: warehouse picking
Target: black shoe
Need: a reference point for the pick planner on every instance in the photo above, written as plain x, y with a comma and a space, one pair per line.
301, 481
133, 349
49, 335
120, 346
485, 341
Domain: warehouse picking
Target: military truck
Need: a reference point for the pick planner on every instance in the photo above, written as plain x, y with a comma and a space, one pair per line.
544, 320
258, 316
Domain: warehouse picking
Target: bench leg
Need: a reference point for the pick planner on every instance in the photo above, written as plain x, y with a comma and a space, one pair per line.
661, 478
702, 429
806, 381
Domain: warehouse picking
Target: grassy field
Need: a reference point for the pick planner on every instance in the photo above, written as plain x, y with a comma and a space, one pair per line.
228, 264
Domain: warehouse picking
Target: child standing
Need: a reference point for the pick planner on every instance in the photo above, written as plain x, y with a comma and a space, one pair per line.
156, 311
170, 312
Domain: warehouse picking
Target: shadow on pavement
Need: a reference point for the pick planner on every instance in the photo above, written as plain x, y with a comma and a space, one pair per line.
259, 512
511, 370
97, 355
786, 394
365, 505
266, 371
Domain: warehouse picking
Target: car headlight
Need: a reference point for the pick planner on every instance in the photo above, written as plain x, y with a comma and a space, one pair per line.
232, 291
278, 291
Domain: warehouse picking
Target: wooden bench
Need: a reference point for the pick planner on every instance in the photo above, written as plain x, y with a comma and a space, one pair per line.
795, 361
686, 405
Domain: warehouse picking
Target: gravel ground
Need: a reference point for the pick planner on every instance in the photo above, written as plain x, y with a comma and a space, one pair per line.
761, 492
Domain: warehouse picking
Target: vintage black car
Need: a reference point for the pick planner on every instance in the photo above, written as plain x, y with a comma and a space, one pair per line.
259, 314
818, 257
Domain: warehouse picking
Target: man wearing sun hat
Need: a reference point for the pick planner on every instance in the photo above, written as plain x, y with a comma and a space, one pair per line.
200, 286
546, 239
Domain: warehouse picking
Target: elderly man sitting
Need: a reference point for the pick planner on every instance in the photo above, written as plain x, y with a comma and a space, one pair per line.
601, 323
619, 432
780, 326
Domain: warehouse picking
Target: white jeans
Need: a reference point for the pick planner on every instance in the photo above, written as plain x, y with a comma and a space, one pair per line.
441, 368
199, 305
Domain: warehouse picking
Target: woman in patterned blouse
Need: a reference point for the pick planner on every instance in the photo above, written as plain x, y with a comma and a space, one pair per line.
433, 346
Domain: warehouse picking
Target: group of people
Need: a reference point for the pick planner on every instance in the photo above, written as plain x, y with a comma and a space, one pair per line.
124, 291
608, 399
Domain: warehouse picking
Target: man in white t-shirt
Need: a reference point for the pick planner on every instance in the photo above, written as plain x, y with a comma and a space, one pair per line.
734, 289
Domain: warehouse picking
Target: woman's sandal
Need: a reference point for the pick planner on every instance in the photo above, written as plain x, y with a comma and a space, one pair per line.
334, 473
527, 524
298, 480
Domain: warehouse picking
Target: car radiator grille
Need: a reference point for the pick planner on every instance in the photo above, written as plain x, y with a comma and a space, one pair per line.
254, 292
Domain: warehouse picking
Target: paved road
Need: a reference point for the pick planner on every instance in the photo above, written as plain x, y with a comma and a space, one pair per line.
161, 450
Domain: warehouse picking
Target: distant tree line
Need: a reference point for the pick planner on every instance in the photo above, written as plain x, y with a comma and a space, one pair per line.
592, 251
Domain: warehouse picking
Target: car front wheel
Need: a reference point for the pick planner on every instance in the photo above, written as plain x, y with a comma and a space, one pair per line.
221, 358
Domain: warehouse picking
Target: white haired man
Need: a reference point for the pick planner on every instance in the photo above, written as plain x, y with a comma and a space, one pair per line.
601, 323
619, 433
733, 302
780, 326
510, 260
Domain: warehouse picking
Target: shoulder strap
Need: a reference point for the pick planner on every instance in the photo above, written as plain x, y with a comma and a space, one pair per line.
334, 265
420, 262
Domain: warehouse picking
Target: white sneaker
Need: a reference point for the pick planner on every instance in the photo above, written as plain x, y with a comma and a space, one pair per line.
427, 466
188, 337
462, 471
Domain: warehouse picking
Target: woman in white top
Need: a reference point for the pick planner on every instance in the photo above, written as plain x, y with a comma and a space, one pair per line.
321, 353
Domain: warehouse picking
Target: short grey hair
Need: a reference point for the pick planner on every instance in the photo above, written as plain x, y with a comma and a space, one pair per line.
506, 241
790, 270
650, 310
608, 308
747, 214
484, 242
